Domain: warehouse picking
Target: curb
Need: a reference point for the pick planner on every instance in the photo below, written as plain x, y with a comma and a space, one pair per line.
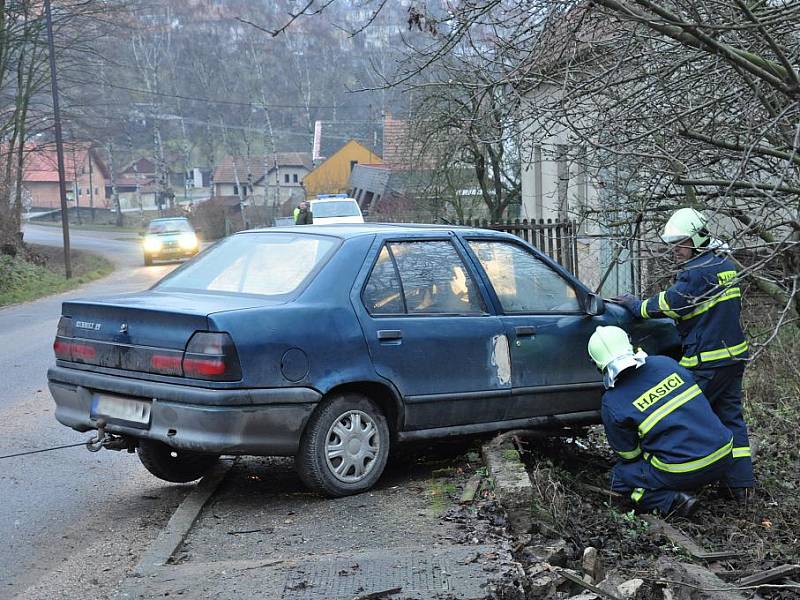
181, 521
512, 485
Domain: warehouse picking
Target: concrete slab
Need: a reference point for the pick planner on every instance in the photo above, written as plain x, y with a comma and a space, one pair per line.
468, 573
262, 535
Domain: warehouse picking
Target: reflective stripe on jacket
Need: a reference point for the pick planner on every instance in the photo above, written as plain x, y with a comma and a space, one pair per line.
659, 413
705, 302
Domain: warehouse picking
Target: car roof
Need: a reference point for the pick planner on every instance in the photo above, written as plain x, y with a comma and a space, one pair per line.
349, 230
321, 200
168, 219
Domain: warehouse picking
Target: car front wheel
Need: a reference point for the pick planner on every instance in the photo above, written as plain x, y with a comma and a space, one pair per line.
172, 464
344, 447
148, 260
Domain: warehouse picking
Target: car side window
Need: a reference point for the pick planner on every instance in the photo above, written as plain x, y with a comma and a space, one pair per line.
524, 283
383, 294
435, 279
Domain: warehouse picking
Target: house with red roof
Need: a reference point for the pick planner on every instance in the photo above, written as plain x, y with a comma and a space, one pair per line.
85, 173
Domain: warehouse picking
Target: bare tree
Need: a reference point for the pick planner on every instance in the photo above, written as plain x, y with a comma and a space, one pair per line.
664, 102
24, 106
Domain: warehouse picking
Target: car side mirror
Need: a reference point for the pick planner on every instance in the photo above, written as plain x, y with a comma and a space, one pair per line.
594, 304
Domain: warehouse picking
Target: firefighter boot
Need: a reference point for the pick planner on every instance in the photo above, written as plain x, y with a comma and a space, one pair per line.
684, 505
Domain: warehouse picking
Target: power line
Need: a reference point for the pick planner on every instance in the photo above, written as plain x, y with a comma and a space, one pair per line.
224, 102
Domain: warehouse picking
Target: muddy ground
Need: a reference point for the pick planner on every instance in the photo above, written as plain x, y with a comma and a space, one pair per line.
765, 530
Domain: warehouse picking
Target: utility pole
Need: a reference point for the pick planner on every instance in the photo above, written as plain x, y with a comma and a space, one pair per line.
62, 184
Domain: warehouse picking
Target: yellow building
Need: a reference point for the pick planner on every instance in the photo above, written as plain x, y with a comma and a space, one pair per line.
331, 176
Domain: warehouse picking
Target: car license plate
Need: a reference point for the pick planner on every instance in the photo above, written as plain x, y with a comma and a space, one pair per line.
123, 409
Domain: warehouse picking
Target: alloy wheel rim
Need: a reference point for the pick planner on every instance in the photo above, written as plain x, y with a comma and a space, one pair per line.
352, 446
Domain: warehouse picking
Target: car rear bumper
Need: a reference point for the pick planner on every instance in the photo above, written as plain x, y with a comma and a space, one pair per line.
265, 421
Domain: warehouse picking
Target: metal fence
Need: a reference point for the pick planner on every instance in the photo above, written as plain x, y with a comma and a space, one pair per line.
558, 239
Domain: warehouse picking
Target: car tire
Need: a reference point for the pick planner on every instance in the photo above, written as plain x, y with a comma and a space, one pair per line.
172, 464
148, 260
319, 463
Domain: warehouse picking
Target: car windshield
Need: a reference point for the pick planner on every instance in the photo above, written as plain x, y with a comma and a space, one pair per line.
267, 264
335, 208
177, 225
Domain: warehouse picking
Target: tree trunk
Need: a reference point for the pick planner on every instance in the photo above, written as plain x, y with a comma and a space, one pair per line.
114, 192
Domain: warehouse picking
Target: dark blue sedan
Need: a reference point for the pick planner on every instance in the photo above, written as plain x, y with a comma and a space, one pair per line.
332, 343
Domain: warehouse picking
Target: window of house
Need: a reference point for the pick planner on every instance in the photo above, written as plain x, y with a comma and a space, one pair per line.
286, 178
353, 163
434, 279
294, 178
522, 282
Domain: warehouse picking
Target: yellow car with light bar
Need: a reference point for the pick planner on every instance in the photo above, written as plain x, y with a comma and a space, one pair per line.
169, 238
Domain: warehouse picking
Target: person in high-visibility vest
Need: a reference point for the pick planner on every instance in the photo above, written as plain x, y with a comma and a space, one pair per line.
705, 303
302, 214
660, 425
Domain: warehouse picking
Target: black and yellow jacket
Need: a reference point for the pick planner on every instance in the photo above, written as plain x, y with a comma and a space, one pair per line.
705, 302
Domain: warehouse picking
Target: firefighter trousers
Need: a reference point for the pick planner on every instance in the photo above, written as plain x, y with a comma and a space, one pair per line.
653, 489
723, 388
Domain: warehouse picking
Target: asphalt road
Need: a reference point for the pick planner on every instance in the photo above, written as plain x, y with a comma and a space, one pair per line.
57, 504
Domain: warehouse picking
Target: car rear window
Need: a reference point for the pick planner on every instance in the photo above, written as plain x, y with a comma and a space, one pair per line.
169, 226
335, 208
268, 264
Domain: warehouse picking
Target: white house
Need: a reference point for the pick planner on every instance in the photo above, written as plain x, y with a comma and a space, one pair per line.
271, 179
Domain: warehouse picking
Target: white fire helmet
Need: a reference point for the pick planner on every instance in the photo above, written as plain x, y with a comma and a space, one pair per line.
685, 224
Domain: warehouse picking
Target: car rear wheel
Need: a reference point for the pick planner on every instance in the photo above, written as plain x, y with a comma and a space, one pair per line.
344, 447
172, 464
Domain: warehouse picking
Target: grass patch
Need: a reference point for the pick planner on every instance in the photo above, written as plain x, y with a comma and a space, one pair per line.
441, 491
40, 272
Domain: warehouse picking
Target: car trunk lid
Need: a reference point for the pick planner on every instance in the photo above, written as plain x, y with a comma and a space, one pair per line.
146, 332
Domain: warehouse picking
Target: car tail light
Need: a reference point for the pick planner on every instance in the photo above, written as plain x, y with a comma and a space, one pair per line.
63, 346
62, 349
211, 355
167, 364
74, 351
83, 352
68, 348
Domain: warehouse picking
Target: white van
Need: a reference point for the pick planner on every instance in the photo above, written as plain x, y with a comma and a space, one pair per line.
335, 208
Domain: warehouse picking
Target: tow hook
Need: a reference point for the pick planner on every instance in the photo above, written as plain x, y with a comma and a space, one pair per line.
109, 441
96, 443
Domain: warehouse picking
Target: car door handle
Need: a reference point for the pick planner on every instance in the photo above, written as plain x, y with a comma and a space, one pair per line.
525, 330
386, 335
